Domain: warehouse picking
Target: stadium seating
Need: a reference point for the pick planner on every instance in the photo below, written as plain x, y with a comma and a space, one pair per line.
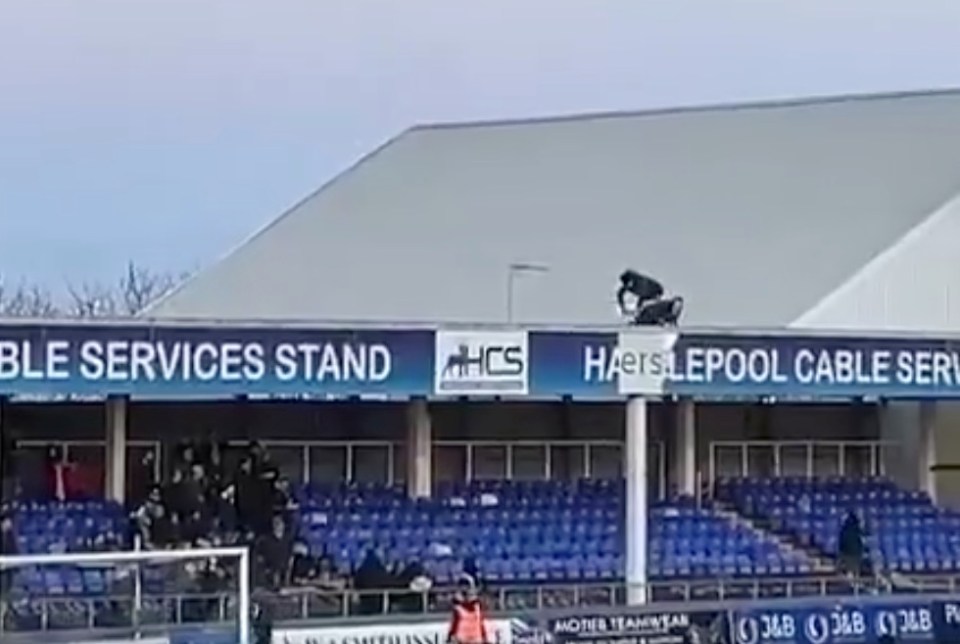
518, 532
905, 532
538, 531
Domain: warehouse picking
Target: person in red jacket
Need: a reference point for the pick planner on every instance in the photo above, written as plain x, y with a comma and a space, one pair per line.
468, 624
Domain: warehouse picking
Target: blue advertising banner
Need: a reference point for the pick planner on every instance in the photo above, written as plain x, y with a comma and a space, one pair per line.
94, 360
814, 366
946, 621
580, 365
657, 362
846, 623
168, 360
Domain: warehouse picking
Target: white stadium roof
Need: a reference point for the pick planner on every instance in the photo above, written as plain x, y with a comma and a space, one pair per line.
825, 213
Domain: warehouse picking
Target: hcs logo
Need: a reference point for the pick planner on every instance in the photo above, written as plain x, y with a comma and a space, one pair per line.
484, 362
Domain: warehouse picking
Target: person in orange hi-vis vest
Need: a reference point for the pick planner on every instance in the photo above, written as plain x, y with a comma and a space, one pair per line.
468, 625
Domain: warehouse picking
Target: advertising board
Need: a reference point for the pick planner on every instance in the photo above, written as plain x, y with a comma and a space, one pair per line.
841, 622
167, 360
648, 627
501, 631
481, 363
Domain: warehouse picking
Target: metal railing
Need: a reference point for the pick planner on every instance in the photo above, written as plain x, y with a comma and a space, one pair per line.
21, 614
808, 458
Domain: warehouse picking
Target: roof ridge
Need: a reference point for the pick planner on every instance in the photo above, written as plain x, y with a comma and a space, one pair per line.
760, 104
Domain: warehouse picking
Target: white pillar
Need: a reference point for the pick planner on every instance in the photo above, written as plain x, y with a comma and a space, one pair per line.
419, 449
635, 454
116, 446
5, 484
927, 448
685, 463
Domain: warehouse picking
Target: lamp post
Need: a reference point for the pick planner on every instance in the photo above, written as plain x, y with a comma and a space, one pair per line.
515, 270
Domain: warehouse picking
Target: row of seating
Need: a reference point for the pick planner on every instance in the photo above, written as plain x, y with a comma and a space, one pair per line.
904, 531
529, 532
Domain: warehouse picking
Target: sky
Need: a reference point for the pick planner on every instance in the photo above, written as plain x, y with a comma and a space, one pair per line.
168, 131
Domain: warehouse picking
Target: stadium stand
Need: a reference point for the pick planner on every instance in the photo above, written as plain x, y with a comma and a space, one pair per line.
905, 531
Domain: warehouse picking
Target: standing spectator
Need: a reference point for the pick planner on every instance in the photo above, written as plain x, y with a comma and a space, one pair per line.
274, 552
285, 504
242, 493
144, 477
153, 523
850, 545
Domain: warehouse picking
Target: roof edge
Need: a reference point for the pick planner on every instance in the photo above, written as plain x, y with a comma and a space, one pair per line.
263, 230
878, 262
423, 325
760, 104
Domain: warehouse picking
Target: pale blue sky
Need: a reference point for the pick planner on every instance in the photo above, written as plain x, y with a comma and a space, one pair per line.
167, 131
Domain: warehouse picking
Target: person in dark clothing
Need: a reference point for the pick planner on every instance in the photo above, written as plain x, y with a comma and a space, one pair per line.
153, 523
413, 578
471, 568
274, 552
285, 504
371, 576
850, 547
143, 478
262, 623
243, 495
187, 493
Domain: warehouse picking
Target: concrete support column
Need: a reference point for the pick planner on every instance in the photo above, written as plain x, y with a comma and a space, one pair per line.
635, 455
685, 455
419, 449
900, 429
116, 447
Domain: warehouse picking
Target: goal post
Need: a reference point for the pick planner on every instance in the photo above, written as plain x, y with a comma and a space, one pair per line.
69, 572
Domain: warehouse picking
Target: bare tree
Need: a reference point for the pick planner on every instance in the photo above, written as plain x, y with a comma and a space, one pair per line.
140, 287
130, 295
25, 301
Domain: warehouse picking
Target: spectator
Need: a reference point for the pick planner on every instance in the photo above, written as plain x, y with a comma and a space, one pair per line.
185, 494
303, 566
471, 568
207, 578
371, 579
321, 576
244, 493
153, 523
260, 456
415, 579
263, 621
274, 552
850, 548
285, 504
143, 478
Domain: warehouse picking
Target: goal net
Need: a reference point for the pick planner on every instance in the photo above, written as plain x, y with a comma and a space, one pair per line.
143, 594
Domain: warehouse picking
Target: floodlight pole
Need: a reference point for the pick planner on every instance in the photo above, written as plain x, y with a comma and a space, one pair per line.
513, 271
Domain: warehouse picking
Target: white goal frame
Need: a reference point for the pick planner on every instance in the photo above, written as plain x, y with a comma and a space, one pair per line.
146, 557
